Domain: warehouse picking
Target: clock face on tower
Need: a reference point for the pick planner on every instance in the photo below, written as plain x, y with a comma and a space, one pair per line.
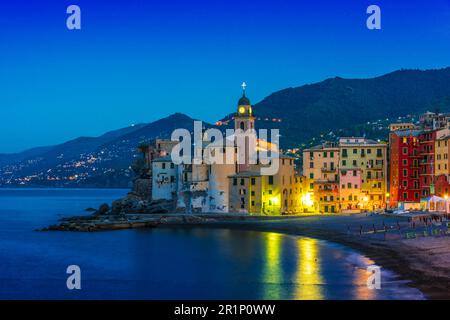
241, 110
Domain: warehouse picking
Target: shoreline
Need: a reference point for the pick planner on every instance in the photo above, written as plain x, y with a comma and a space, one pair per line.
424, 261
395, 256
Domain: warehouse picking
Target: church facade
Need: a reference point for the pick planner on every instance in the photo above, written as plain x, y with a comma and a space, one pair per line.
232, 186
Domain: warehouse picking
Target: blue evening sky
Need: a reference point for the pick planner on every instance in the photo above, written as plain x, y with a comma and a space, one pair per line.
137, 61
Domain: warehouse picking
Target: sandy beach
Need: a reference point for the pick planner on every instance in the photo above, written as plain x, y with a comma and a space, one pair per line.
425, 260
419, 251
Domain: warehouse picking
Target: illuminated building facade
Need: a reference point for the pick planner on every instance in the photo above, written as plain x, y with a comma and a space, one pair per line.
320, 164
427, 140
364, 163
404, 169
349, 176
442, 164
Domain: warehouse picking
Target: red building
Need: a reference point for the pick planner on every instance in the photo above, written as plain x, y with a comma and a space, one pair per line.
427, 140
405, 156
442, 186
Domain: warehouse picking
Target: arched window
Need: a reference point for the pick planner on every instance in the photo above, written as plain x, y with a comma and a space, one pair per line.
242, 125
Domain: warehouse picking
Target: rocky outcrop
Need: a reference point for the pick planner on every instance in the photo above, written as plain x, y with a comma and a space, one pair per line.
142, 188
133, 203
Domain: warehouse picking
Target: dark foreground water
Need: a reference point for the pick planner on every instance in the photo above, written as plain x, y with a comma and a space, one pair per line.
168, 263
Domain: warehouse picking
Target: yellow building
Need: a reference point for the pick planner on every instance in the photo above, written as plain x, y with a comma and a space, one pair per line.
320, 165
364, 163
402, 126
282, 193
441, 156
348, 176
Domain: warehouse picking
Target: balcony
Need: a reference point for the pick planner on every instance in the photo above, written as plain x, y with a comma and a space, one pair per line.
328, 170
375, 166
375, 179
412, 155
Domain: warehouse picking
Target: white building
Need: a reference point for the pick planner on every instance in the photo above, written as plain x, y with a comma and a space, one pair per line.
164, 178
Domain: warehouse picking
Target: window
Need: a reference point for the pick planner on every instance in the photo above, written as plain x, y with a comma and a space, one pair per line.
405, 195
172, 179
163, 165
253, 193
172, 165
311, 165
344, 153
271, 179
344, 162
324, 154
369, 151
234, 182
343, 186
405, 183
354, 173
242, 182
349, 185
331, 154
405, 150
355, 151
379, 153
253, 203
405, 172
253, 181
354, 163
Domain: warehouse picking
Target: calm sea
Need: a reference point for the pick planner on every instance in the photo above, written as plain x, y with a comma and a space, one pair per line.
168, 263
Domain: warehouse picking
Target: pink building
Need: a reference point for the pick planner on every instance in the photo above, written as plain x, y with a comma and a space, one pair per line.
350, 195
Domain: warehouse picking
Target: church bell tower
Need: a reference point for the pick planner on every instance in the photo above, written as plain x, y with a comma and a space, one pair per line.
244, 119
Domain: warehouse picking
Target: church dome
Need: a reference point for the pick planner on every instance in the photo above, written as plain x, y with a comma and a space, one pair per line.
244, 101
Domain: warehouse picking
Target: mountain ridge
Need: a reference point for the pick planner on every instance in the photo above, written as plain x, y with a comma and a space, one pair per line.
303, 114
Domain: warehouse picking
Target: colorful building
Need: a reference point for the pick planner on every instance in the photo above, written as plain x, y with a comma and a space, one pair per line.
442, 164
320, 165
282, 193
427, 140
404, 179
363, 167
349, 176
